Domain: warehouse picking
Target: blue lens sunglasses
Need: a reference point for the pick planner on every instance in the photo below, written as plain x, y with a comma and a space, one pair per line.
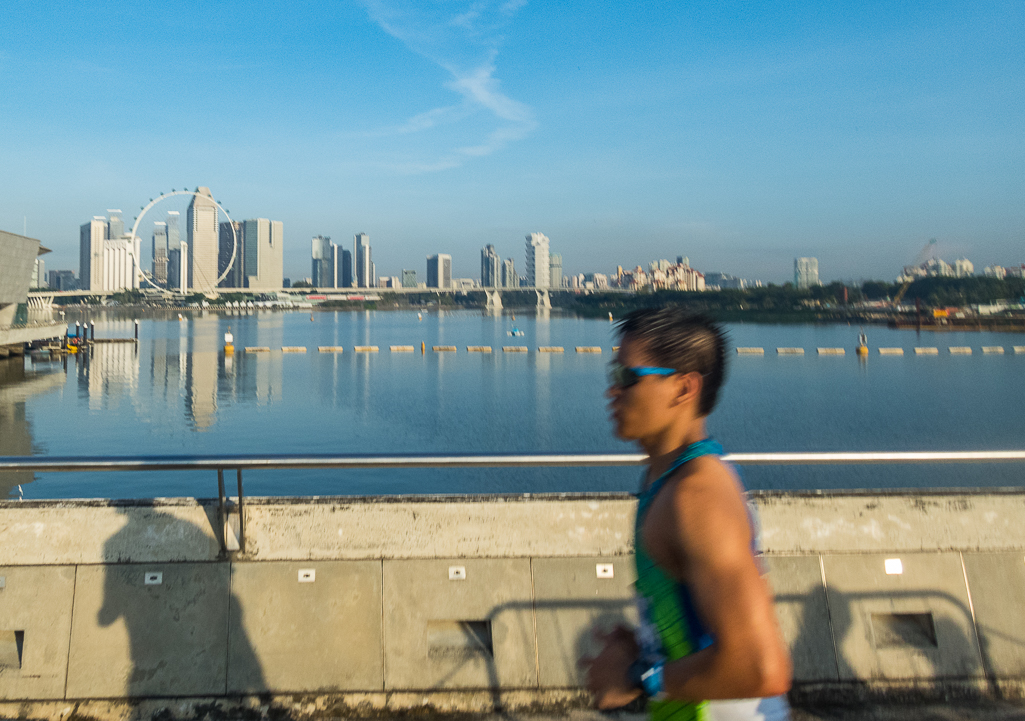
622, 376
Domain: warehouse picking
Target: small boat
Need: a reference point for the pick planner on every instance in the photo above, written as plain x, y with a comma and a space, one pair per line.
180, 318
610, 316
419, 316
516, 332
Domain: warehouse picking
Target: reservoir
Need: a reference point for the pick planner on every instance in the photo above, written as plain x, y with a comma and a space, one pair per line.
176, 393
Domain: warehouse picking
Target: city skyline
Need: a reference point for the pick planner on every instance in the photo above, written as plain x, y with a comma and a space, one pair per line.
741, 136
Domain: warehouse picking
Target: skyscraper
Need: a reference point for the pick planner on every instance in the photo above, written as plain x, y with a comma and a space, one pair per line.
38, 274
174, 236
201, 231
806, 272
62, 280
537, 260
115, 226
555, 270
439, 271
490, 267
120, 264
178, 269
361, 260
509, 277
263, 253
229, 243
90, 253
160, 254
408, 278
344, 269
325, 262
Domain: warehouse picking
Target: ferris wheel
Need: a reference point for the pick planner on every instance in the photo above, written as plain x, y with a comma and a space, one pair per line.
195, 194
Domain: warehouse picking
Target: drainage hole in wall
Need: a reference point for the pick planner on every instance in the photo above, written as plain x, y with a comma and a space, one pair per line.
915, 630
12, 645
459, 638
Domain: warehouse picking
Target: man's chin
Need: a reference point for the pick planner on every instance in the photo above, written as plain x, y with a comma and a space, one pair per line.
620, 432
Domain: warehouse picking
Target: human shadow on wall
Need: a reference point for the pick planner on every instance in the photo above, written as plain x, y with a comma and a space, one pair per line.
177, 615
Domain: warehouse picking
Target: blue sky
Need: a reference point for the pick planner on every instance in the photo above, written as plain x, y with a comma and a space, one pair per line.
740, 134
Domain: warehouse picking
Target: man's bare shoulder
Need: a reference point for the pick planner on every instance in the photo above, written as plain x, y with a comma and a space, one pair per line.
709, 506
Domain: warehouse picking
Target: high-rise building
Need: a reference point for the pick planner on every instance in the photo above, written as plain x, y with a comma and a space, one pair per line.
231, 242
202, 234
555, 270
62, 280
325, 262
963, 268
408, 278
806, 272
90, 253
115, 226
174, 236
178, 269
160, 254
263, 253
38, 274
174, 262
509, 277
120, 264
490, 267
361, 261
439, 271
345, 278
537, 260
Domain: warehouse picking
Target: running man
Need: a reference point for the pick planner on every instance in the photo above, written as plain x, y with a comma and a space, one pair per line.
709, 646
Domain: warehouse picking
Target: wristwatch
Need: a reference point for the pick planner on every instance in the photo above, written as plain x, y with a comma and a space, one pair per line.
648, 677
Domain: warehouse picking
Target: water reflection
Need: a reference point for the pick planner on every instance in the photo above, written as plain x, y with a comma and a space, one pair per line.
179, 394
17, 385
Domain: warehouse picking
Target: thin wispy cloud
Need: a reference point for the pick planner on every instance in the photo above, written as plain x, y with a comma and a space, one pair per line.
464, 39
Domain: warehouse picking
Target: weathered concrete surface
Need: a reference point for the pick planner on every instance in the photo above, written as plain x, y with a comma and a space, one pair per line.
495, 527
907, 521
803, 616
531, 571
316, 708
997, 581
36, 601
132, 638
862, 596
74, 532
305, 626
571, 602
422, 601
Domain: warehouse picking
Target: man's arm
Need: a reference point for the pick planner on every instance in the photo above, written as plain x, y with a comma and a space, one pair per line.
707, 528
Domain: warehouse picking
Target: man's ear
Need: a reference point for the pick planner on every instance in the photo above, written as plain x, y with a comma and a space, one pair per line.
689, 385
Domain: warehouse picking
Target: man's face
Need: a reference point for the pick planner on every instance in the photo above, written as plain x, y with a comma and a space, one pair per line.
647, 407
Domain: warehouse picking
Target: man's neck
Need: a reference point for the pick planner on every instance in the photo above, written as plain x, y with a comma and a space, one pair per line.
666, 447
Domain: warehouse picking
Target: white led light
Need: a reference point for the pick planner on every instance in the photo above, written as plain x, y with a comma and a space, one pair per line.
893, 566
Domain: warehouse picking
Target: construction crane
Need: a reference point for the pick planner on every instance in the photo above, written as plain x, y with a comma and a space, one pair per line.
927, 253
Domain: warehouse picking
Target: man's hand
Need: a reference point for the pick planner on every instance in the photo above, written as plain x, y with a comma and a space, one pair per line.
608, 673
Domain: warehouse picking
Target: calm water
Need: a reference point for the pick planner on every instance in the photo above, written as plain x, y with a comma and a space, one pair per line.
176, 393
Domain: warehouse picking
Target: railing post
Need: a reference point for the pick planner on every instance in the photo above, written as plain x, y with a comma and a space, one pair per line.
222, 515
241, 515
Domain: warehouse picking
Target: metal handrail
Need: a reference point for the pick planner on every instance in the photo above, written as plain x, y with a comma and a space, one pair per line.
42, 464
231, 541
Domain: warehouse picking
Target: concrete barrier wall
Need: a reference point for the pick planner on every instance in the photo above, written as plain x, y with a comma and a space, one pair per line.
106, 600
